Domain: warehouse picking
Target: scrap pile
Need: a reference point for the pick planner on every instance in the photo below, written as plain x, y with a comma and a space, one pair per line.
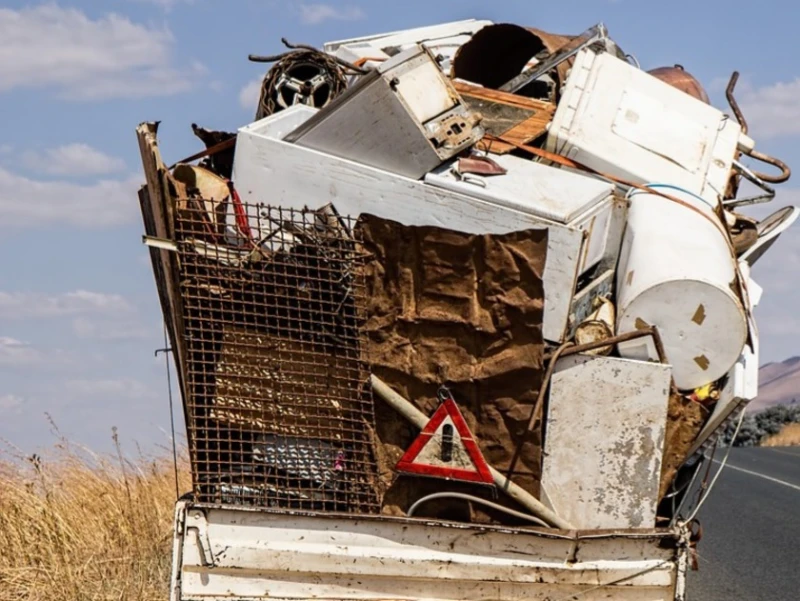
472, 271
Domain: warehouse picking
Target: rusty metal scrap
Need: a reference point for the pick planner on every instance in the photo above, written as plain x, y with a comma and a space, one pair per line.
786, 172
274, 361
679, 78
279, 317
517, 118
219, 150
480, 165
499, 52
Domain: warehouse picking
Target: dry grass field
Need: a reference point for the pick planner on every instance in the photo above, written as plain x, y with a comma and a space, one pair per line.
77, 526
788, 437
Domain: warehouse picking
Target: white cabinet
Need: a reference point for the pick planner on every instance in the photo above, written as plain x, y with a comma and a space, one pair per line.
622, 121
269, 170
556, 195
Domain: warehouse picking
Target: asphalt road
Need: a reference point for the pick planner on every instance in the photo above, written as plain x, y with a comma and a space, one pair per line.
750, 549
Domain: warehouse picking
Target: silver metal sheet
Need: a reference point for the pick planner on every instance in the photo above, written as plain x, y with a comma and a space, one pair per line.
604, 441
405, 117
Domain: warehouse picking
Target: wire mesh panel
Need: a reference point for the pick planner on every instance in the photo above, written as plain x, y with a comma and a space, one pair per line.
279, 410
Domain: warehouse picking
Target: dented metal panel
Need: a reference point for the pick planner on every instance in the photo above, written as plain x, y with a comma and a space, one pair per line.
406, 117
604, 440
249, 554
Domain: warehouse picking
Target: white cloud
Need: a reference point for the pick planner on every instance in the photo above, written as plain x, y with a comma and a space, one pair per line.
49, 46
250, 93
20, 305
166, 5
771, 111
108, 330
10, 403
124, 388
28, 202
16, 353
73, 159
314, 14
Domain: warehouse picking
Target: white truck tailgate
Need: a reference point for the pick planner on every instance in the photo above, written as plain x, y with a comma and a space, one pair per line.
227, 553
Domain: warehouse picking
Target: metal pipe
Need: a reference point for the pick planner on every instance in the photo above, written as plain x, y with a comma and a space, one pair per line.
457, 495
538, 408
516, 492
293, 48
754, 179
786, 172
732, 101
628, 336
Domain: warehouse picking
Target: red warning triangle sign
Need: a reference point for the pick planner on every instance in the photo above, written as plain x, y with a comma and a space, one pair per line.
446, 449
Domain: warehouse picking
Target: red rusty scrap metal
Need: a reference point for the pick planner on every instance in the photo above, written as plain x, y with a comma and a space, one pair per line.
499, 52
786, 172
679, 78
480, 165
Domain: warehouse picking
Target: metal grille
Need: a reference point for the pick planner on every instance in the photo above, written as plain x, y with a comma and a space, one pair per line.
279, 410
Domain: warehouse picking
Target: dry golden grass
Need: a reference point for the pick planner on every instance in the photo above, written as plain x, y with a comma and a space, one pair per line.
788, 437
76, 526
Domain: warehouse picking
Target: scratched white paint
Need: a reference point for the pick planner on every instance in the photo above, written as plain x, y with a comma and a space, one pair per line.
250, 554
604, 441
269, 170
620, 120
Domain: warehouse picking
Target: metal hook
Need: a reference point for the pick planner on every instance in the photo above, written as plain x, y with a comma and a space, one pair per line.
444, 394
786, 172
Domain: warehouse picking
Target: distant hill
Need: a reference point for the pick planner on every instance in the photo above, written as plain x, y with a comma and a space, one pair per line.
778, 384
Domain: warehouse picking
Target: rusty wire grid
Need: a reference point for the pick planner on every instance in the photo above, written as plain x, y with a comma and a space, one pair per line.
279, 410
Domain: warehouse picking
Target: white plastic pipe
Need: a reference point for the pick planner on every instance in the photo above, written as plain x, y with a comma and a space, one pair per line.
519, 494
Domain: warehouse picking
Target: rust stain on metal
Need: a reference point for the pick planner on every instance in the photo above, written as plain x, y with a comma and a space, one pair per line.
454, 131
518, 118
680, 79
699, 315
501, 51
480, 165
703, 362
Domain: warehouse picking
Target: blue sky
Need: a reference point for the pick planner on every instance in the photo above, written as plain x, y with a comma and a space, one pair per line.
79, 318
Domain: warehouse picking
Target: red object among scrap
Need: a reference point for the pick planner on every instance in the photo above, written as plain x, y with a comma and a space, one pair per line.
241, 216
410, 462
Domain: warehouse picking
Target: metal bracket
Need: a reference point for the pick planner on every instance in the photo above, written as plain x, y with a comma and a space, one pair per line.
162, 243
590, 37
752, 200
203, 541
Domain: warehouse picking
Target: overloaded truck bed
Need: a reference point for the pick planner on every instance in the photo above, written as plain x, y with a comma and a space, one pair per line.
457, 316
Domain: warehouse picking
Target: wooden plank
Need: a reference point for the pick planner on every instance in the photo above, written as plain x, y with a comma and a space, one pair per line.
157, 215
524, 102
538, 114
